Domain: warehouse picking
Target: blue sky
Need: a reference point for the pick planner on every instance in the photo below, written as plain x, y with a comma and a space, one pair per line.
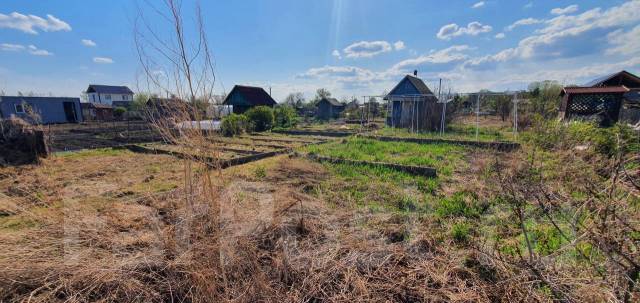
351, 47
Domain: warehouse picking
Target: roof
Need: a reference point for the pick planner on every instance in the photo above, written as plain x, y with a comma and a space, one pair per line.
108, 89
332, 101
420, 86
595, 90
601, 81
38, 99
252, 94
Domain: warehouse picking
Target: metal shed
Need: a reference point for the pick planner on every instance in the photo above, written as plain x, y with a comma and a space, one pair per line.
41, 110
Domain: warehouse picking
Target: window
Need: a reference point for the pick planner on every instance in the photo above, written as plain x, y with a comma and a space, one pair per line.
107, 97
124, 97
19, 108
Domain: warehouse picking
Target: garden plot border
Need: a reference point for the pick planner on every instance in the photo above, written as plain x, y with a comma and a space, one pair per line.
314, 133
411, 169
501, 146
211, 162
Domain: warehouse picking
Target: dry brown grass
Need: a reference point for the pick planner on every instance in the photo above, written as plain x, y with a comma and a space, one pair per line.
115, 237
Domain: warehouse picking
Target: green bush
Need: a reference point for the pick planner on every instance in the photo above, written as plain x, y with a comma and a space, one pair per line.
119, 111
234, 125
261, 118
285, 116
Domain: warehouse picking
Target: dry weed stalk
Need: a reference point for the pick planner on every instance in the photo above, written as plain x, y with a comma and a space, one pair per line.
598, 229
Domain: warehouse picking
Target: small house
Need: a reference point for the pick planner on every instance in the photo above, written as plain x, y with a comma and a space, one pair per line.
108, 94
413, 105
329, 108
96, 111
41, 110
242, 98
606, 99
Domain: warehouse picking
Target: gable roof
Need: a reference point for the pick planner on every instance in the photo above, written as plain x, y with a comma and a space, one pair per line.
624, 76
420, 86
254, 95
108, 89
332, 101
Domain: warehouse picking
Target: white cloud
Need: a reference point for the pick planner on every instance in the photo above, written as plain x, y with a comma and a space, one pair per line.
500, 36
102, 60
523, 22
567, 10
569, 36
399, 45
38, 52
453, 30
528, 5
367, 49
625, 43
32, 23
478, 4
32, 49
447, 55
11, 47
336, 53
89, 43
344, 73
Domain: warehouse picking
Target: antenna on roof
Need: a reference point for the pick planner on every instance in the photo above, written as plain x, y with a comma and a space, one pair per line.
415, 72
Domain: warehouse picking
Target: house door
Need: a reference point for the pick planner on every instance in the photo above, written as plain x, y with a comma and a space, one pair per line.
70, 112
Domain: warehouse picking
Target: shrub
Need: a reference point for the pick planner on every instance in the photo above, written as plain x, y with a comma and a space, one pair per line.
119, 111
234, 125
261, 118
285, 116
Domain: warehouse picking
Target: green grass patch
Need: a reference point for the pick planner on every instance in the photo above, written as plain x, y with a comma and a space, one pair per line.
443, 157
454, 132
86, 153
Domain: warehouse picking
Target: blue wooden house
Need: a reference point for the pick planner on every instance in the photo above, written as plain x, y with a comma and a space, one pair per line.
242, 98
413, 105
41, 110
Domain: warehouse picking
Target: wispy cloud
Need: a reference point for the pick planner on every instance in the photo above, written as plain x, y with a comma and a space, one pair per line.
38, 52
523, 22
11, 47
336, 53
103, 60
87, 42
478, 4
367, 49
31, 23
31, 49
399, 45
500, 36
453, 30
567, 10
528, 5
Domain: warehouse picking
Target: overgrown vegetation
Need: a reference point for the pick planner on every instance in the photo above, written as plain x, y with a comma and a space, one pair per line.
261, 117
235, 125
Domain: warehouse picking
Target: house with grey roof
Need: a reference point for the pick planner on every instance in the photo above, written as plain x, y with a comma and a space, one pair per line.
110, 95
242, 98
329, 108
41, 110
413, 105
